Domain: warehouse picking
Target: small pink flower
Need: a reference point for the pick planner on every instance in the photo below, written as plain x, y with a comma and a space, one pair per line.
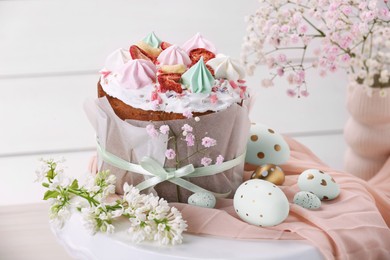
170, 154
187, 114
152, 132
205, 161
190, 139
302, 29
291, 92
280, 72
219, 159
267, 83
164, 129
208, 142
282, 58
345, 58
187, 128
305, 93
294, 38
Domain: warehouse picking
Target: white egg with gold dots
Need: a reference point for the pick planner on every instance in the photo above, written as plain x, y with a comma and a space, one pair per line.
261, 203
266, 146
319, 183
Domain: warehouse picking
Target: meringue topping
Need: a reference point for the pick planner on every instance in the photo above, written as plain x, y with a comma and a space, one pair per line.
197, 41
226, 68
136, 74
198, 78
174, 55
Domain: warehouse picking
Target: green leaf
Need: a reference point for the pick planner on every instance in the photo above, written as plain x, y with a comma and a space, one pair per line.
74, 185
46, 185
50, 194
50, 174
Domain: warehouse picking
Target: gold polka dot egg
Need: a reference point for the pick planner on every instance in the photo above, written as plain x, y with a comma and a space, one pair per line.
266, 146
319, 183
261, 203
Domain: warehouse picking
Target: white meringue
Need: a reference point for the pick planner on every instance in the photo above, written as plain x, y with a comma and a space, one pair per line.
226, 68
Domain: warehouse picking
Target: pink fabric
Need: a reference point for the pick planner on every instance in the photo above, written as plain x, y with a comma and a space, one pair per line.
353, 226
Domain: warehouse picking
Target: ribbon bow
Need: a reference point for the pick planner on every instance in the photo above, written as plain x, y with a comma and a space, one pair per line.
151, 167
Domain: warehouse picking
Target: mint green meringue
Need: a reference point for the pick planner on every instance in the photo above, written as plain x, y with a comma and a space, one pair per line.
198, 78
152, 40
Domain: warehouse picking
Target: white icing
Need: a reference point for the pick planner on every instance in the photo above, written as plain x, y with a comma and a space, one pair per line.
171, 101
226, 68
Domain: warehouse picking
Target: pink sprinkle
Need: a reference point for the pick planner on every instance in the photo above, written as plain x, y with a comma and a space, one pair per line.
105, 73
154, 96
222, 80
233, 84
214, 98
241, 81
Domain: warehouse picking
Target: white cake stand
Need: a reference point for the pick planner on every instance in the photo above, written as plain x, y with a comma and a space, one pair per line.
81, 245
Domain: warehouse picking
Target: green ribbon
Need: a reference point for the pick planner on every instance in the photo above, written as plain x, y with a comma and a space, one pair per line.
151, 167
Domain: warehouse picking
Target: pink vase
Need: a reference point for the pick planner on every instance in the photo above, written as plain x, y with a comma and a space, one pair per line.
367, 132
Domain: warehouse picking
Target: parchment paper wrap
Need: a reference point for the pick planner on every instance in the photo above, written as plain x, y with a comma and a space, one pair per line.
130, 141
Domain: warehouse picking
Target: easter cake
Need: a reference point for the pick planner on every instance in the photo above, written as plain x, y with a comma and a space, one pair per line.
168, 103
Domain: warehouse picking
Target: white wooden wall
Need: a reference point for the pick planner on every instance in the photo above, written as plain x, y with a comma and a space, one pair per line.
51, 51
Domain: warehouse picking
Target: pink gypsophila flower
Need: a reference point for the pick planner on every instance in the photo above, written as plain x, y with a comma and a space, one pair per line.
152, 132
164, 129
219, 160
187, 114
187, 128
208, 142
205, 161
170, 154
190, 139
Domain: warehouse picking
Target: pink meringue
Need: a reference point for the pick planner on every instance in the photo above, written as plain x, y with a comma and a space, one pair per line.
174, 55
137, 73
197, 41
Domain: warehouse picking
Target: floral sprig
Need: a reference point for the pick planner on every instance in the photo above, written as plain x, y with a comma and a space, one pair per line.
349, 34
187, 136
150, 217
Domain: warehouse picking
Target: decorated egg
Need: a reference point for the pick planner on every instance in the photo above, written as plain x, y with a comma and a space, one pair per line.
261, 203
307, 200
319, 183
202, 199
265, 146
269, 172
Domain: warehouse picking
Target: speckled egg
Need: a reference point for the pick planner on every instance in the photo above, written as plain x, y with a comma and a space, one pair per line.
307, 200
265, 146
261, 203
319, 183
269, 172
202, 199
